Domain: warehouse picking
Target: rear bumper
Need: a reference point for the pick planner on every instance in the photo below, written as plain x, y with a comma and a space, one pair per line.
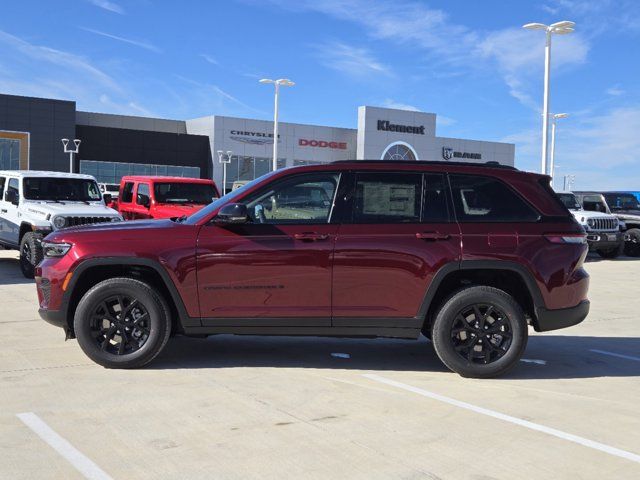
562, 318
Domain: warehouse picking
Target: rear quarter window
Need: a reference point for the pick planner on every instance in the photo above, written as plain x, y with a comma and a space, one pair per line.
479, 199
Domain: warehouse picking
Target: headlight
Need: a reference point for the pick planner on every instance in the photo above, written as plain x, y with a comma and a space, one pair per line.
50, 249
590, 222
59, 222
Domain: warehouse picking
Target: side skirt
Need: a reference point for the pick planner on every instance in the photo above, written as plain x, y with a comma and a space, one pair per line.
370, 332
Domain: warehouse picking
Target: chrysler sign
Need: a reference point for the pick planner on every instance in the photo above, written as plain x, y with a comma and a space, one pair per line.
254, 138
387, 126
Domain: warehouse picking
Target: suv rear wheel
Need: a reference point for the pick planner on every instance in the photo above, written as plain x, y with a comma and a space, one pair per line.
122, 323
480, 332
30, 253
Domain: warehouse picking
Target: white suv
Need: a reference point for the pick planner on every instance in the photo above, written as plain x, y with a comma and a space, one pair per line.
33, 204
604, 234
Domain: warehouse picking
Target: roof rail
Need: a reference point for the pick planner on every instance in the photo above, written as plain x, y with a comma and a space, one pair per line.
490, 164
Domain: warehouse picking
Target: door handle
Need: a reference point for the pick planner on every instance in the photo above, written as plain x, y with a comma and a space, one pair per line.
4, 210
432, 236
310, 236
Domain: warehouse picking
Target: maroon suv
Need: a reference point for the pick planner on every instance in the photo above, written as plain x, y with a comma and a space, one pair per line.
465, 254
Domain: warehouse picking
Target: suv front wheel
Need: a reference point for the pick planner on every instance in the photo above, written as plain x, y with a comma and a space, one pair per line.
122, 323
480, 332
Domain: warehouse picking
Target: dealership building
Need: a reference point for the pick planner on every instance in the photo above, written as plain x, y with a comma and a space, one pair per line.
117, 145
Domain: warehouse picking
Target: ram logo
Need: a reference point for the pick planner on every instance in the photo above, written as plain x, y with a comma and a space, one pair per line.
447, 153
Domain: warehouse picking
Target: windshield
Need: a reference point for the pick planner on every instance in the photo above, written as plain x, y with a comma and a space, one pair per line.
569, 200
622, 201
181, 192
56, 189
228, 198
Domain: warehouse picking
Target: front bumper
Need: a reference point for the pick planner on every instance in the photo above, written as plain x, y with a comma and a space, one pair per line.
604, 240
562, 318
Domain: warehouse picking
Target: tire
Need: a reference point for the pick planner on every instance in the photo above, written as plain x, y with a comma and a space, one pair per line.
632, 246
30, 253
610, 253
456, 337
112, 341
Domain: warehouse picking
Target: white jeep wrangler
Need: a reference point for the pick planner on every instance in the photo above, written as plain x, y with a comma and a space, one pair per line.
33, 204
604, 234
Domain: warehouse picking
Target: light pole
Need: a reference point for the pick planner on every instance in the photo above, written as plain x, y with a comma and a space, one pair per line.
568, 182
554, 119
76, 142
285, 82
558, 28
221, 159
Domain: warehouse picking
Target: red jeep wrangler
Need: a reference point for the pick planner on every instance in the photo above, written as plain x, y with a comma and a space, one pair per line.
164, 197
465, 254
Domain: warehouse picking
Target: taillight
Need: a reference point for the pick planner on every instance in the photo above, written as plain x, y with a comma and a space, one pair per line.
570, 238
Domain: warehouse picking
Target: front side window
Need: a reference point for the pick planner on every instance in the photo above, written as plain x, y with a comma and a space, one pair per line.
183, 192
479, 199
127, 193
308, 199
384, 197
13, 186
143, 194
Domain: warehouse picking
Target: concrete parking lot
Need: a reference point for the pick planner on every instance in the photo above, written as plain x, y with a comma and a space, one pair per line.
313, 408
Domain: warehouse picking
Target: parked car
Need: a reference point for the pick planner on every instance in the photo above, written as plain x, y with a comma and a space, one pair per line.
467, 254
624, 206
33, 204
603, 230
164, 197
110, 192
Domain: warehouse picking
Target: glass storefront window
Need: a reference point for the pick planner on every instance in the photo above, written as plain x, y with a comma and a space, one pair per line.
112, 172
243, 168
9, 154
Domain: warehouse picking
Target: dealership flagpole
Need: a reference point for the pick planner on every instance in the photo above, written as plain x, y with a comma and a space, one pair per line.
276, 83
559, 28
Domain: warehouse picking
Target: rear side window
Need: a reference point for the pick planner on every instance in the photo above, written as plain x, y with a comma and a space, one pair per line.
434, 206
387, 198
480, 199
127, 193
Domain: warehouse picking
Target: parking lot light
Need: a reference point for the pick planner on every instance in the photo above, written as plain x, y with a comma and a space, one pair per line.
65, 143
285, 82
224, 161
559, 28
552, 165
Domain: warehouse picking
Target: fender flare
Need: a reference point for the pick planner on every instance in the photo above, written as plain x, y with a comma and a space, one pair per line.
451, 267
183, 317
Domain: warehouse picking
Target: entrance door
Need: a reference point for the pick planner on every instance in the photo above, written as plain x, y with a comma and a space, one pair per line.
275, 270
399, 236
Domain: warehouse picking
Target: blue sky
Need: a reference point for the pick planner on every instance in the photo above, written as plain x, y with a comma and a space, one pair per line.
467, 61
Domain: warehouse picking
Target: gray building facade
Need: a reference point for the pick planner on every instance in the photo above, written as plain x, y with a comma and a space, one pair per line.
117, 145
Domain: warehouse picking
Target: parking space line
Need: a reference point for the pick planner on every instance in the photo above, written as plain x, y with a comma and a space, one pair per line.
619, 355
76, 458
508, 418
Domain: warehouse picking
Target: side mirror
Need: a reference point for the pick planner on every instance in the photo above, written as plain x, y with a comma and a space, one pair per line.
12, 197
107, 198
232, 213
144, 201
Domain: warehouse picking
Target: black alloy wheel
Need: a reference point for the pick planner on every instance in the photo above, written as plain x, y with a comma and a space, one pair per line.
120, 325
481, 334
